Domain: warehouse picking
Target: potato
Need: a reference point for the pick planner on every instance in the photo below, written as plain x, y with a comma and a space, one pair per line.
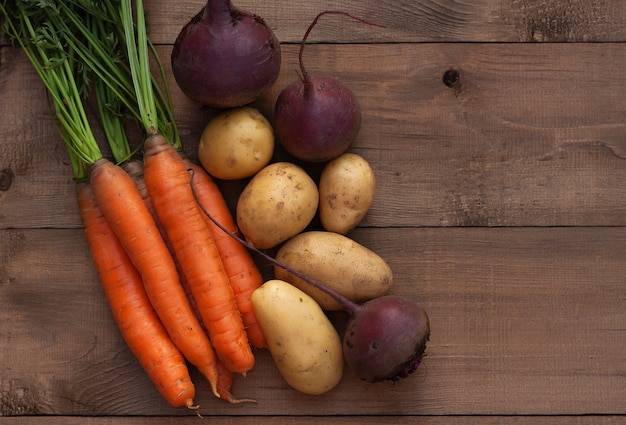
306, 348
347, 187
337, 262
279, 202
236, 144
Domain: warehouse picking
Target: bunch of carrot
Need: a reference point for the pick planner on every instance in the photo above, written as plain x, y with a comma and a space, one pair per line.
178, 286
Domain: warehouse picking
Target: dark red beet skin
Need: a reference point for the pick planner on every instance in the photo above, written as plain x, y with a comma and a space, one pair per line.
225, 57
386, 338
317, 119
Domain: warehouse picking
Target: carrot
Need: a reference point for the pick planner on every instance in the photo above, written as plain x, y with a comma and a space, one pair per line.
138, 322
126, 212
189, 235
224, 376
240, 267
135, 170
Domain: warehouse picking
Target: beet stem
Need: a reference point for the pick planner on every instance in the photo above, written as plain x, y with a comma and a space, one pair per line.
218, 11
349, 306
305, 78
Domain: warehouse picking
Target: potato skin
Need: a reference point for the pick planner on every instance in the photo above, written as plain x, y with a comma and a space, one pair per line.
347, 187
337, 262
279, 202
236, 144
306, 348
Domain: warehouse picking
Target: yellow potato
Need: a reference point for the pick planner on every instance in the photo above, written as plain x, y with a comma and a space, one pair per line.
305, 346
236, 144
337, 262
278, 203
347, 187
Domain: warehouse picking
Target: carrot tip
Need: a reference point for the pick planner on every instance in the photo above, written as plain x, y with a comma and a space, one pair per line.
216, 393
191, 406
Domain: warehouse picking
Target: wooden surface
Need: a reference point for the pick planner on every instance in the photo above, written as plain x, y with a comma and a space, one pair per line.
501, 208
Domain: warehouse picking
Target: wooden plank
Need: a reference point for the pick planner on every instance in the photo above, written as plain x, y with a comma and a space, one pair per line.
500, 207
525, 321
528, 137
31, 152
421, 20
315, 420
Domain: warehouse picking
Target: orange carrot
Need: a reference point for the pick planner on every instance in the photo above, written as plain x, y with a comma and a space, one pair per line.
168, 184
240, 267
138, 322
135, 168
224, 376
126, 212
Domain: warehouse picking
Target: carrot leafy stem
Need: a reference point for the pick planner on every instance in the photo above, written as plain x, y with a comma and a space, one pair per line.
83, 48
64, 79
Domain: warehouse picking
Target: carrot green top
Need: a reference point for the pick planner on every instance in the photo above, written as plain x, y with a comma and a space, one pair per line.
58, 67
80, 47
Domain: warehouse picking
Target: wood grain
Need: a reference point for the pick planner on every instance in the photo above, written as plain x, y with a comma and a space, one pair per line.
524, 139
315, 420
422, 20
524, 321
501, 208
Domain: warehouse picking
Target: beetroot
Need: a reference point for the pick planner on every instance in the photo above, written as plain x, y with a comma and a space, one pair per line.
225, 57
317, 118
386, 339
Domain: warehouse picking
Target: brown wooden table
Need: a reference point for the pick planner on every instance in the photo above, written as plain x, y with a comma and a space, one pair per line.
501, 208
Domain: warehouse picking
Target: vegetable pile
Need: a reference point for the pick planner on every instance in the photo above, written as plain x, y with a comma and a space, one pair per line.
175, 265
